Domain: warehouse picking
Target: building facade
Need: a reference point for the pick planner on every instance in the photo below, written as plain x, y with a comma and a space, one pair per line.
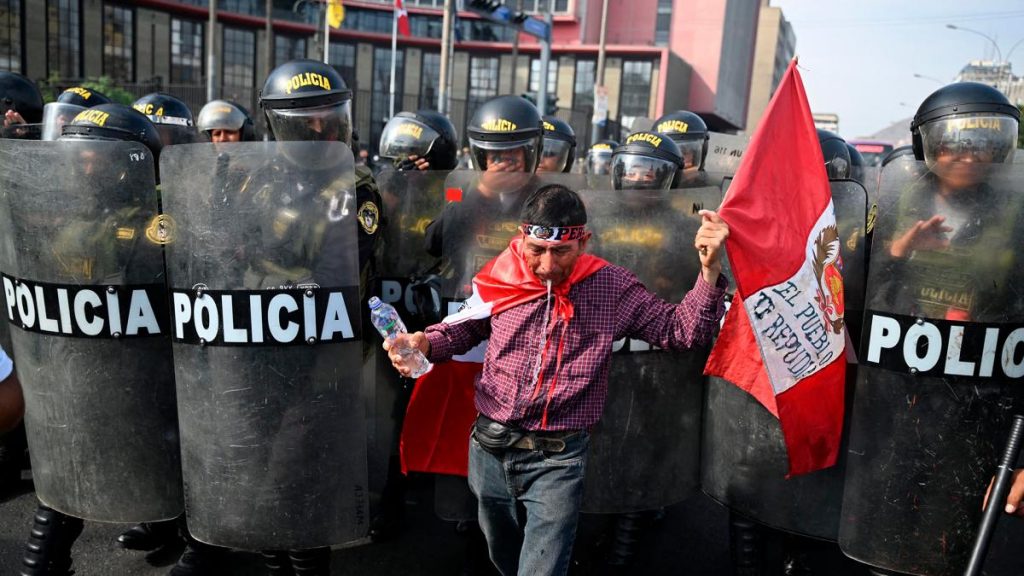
776, 46
660, 54
998, 75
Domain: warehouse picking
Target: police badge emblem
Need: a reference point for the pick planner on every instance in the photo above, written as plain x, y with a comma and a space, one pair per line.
369, 217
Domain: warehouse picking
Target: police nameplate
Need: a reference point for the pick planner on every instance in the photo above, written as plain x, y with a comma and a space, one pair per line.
96, 311
278, 317
944, 348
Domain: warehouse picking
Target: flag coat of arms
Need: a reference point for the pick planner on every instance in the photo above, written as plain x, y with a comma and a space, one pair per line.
783, 339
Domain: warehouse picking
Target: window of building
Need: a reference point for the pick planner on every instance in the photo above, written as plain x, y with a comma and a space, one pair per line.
635, 93
250, 7
535, 76
10, 35
541, 6
239, 57
430, 79
343, 59
288, 48
583, 87
118, 40
380, 103
663, 22
186, 51
483, 81
64, 38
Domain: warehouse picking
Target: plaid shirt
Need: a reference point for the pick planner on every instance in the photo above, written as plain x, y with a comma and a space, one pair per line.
609, 305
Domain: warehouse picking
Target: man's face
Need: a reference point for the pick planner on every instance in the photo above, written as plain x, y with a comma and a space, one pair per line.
505, 172
218, 135
640, 173
548, 164
513, 160
550, 261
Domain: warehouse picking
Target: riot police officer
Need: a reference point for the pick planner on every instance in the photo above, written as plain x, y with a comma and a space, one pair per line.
690, 133
225, 121
49, 545
21, 105
307, 100
599, 157
172, 117
70, 102
647, 161
421, 140
559, 146
946, 258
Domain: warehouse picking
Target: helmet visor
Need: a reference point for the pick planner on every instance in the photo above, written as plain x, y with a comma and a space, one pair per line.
55, 116
554, 156
508, 156
177, 134
634, 172
691, 150
599, 161
331, 123
969, 138
404, 137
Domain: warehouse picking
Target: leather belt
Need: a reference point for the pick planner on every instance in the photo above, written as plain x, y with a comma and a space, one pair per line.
548, 442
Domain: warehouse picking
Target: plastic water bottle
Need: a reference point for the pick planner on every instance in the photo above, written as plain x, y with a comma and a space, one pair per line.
387, 321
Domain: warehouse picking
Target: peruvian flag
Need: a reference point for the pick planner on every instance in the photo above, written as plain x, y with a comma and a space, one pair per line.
783, 339
403, 18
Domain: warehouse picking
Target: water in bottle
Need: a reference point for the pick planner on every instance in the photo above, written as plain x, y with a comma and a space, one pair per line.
387, 321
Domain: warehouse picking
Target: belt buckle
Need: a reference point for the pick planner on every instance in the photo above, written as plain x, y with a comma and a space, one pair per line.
549, 444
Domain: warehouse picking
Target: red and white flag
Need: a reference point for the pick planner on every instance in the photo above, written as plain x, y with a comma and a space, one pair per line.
403, 18
783, 339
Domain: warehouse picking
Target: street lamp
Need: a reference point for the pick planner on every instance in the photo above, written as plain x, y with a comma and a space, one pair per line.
985, 36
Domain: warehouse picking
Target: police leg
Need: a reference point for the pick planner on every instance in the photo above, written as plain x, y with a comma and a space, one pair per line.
752, 552
278, 563
627, 531
198, 559
311, 562
13, 446
149, 536
48, 551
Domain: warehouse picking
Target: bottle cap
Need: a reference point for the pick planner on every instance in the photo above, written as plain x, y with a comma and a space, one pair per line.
374, 302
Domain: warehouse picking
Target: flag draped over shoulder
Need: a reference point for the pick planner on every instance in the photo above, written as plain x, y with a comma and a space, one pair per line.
783, 339
442, 409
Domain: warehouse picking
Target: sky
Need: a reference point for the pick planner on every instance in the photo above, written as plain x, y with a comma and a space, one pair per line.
858, 57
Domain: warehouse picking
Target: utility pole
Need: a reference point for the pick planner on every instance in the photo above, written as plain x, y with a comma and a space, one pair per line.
446, 49
545, 61
268, 46
515, 50
596, 134
211, 54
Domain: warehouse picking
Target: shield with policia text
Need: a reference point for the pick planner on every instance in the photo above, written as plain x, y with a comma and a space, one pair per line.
645, 449
265, 318
745, 460
941, 362
477, 223
82, 267
409, 281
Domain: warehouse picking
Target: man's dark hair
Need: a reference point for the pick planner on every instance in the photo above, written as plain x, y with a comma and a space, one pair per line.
554, 205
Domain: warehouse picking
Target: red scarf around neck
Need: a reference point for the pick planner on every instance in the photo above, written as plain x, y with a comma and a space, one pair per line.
506, 282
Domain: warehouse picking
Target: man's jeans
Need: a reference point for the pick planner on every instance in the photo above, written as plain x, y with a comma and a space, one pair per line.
529, 505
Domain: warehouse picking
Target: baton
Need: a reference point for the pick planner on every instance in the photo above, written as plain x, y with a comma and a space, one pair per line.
996, 499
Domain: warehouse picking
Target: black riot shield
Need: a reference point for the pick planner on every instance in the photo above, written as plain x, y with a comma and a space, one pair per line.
725, 152
409, 281
645, 450
83, 276
940, 365
265, 313
744, 455
477, 223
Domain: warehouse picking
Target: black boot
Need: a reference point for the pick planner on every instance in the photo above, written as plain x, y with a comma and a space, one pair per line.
198, 559
311, 562
149, 536
48, 551
746, 546
278, 563
627, 530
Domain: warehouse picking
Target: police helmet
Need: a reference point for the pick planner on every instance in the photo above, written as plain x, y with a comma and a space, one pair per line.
599, 157
425, 133
856, 163
689, 132
70, 102
20, 94
171, 116
965, 122
502, 127
307, 100
897, 153
559, 149
226, 115
114, 122
646, 161
836, 153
